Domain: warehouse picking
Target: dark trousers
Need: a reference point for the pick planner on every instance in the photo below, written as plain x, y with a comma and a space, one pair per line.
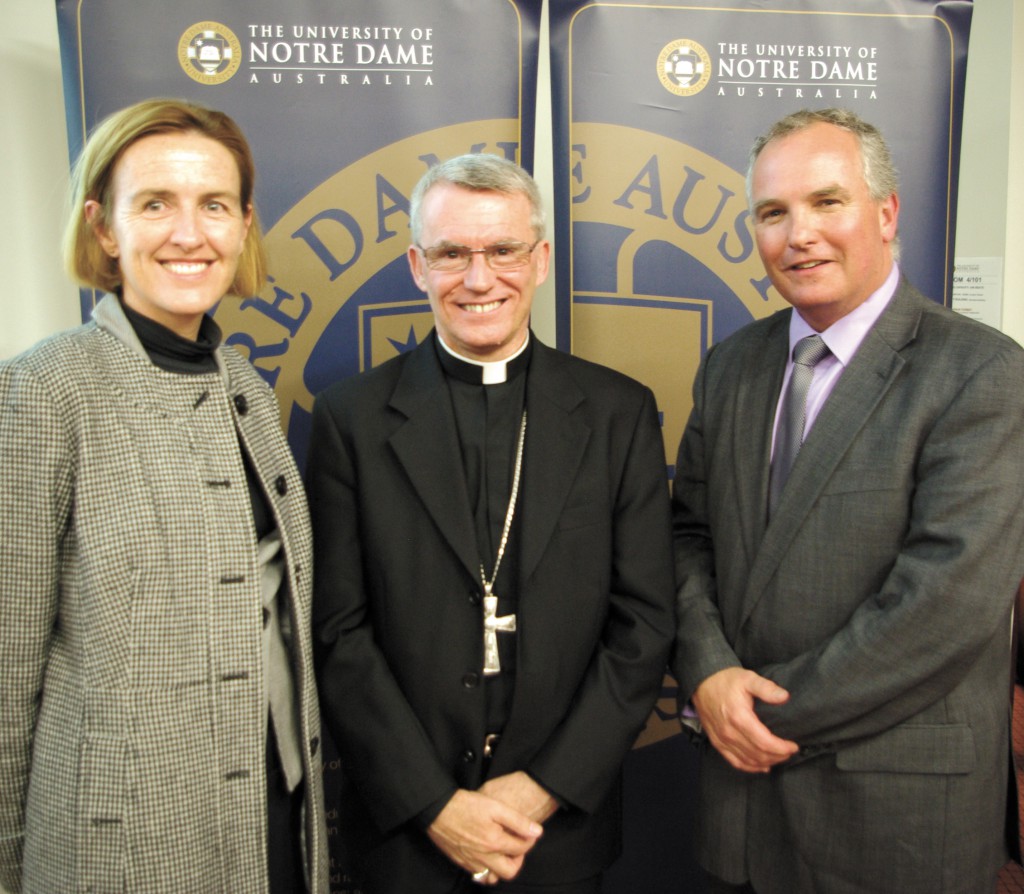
284, 822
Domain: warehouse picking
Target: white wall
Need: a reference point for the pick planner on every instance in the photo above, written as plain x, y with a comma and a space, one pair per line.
985, 228
1013, 295
33, 167
33, 176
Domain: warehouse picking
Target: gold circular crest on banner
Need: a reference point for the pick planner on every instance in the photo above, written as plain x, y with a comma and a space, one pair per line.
209, 53
684, 67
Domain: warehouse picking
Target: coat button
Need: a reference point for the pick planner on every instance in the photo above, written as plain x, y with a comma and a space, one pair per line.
471, 680
474, 597
468, 756
281, 485
241, 404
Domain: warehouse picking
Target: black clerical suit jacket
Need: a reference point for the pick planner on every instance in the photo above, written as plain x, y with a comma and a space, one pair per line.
398, 621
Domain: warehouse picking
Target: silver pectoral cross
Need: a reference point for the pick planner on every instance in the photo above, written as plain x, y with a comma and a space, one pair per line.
493, 625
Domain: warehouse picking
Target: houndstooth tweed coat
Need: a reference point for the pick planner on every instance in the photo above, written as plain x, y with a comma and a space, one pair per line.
132, 706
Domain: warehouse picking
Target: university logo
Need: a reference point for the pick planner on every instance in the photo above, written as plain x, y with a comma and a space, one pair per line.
209, 53
684, 67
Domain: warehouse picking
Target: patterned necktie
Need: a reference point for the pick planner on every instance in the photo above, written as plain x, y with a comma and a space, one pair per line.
807, 353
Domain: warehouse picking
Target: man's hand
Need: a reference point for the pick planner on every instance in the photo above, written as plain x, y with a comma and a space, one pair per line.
725, 705
479, 832
520, 792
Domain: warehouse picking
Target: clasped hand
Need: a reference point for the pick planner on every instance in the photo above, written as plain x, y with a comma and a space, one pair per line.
493, 828
725, 704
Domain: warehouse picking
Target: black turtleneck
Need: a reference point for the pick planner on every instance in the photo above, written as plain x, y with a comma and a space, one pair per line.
173, 352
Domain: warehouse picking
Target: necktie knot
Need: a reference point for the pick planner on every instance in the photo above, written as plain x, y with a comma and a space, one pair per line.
810, 351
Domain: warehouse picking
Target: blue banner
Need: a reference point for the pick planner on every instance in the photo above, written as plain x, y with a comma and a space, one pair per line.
345, 106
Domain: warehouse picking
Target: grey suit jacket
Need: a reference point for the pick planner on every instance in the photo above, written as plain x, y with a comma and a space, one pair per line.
879, 596
132, 705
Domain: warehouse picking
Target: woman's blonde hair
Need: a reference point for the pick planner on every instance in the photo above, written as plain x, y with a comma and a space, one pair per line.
93, 176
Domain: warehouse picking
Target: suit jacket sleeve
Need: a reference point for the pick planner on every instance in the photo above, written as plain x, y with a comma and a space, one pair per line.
701, 646
618, 690
35, 501
377, 732
949, 590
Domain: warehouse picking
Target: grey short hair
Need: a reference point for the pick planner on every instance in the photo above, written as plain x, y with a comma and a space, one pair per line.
879, 171
479, 172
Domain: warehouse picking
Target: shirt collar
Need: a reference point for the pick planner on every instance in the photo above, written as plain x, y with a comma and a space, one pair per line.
844, 336
480, 372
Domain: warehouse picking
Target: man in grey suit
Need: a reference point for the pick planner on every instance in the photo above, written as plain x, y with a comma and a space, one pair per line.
844, 633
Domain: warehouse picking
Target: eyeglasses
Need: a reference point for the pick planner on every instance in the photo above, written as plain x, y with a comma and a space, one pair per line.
499, 256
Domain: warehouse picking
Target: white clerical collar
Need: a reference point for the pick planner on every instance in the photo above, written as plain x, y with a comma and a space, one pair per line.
494, 372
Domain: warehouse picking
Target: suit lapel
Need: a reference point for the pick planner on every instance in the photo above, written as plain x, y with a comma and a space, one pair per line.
427, 446
861, 387
555, 441
752, 427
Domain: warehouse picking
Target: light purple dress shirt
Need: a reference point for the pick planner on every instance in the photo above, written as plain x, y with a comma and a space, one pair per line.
843, 338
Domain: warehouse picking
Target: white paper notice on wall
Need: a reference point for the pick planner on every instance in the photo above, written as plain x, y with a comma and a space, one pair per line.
978, 289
